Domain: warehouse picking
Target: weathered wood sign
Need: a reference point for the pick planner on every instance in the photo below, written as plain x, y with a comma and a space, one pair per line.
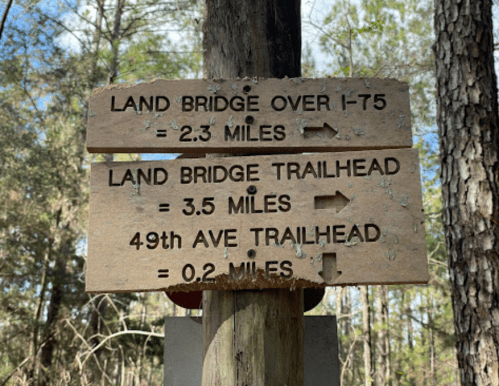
257, 222
250, 115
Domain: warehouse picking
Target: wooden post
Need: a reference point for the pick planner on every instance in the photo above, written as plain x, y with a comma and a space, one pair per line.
252, 337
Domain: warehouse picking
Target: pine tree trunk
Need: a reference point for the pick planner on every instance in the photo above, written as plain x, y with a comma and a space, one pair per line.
59, 283
468, 126
399, 344
431, 338
35, 369
115, 52
347, 377
410, 337
388, 348
383, 374
339, 308
115, 42
366, 330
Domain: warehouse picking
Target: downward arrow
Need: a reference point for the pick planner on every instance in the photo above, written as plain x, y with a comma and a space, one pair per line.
325, 129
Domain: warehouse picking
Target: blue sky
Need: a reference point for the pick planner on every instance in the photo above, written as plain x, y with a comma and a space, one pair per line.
313, 9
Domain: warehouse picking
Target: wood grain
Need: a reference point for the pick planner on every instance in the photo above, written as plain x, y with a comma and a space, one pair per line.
255, 115
259, 38
331, 219
256, 348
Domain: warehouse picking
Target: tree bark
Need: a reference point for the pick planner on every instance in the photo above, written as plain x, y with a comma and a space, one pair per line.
468, 126
384, 366
366, 330
115, 42
410, 336
35, 367
431, 348
4, 16
252, 337
59, 282
346, 310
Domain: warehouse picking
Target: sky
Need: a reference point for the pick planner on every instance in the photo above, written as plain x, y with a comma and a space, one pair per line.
313, 12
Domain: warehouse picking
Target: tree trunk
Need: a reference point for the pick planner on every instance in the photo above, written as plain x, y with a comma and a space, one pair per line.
56, 299
96, 41
431, 349
252, 337
410, 338
339, 317
115, 42
347, 333
383, 374
115, 52
468, 126
35, 370
388, 348
366, 330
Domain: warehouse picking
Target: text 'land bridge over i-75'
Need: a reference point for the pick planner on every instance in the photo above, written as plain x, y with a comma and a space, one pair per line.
269, 221
254, 116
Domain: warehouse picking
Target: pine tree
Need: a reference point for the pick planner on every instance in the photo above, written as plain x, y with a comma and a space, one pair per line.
468, 124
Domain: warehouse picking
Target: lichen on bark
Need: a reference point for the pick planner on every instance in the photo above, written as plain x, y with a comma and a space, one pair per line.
468, 125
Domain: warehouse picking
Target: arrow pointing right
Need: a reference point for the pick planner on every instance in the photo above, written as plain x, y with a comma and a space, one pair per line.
325, 129
338, 202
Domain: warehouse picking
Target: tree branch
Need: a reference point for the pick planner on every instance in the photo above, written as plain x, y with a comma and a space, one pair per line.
128, 332
329, 36
17, 368
80, 363
84, 46
4, 17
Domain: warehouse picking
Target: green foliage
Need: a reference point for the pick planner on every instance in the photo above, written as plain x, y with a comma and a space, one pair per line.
146, 59
308, 65
392, 38
44, 189
384, 38
48, 324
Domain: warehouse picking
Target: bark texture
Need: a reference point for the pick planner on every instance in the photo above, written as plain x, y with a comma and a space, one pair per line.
50, 339
383, 375
366, 334
252, 337
252, 38
468, 122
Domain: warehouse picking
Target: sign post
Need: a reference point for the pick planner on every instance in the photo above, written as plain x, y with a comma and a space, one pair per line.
253, 337
252, 231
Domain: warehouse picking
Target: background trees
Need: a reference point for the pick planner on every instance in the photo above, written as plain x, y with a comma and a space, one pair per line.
50, 328
51, 57
401, 335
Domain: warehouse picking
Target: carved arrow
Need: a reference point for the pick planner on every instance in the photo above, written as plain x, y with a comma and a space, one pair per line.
324, 129
338, 202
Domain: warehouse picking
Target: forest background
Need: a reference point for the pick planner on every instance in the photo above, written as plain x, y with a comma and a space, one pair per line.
53, 53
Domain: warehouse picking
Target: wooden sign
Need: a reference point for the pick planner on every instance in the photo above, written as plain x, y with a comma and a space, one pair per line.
257, 222
250, 115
